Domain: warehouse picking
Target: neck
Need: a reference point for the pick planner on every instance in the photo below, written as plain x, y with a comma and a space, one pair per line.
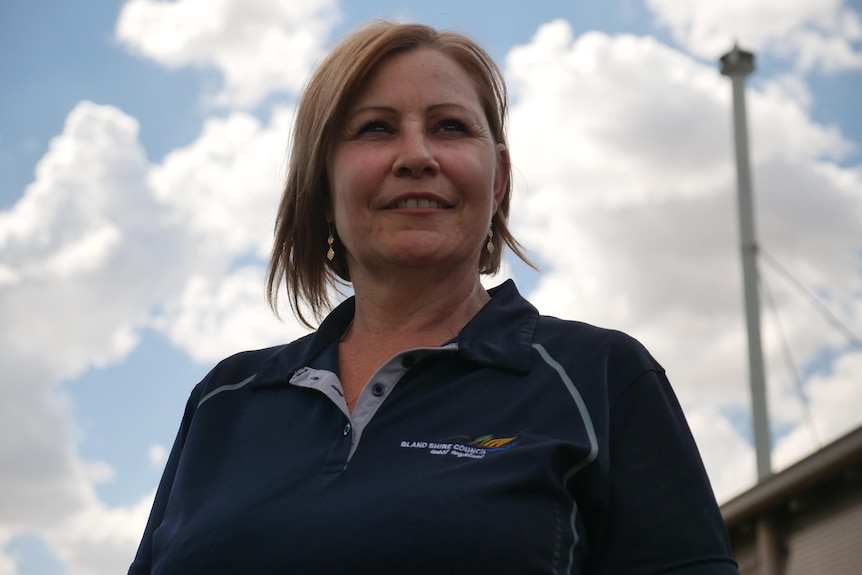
415, 308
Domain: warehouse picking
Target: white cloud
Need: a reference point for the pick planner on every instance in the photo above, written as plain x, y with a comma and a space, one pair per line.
76, 245
627, 195
8, 276
102, 238
158, 455
825, 34
772, 110
831, 395
85, 254
227, 183
259, 46
7, 563
834, 406
79, 242
225, 186
97, 539
217, 317
728, 457
42, 478
89, 252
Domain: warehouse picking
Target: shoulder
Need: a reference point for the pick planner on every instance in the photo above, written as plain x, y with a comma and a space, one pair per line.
245, 365
580, 336
615, 356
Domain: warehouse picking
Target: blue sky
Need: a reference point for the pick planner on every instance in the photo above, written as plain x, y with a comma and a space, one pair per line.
141, 149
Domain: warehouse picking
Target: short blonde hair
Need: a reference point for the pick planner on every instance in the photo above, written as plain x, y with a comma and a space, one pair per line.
301, 228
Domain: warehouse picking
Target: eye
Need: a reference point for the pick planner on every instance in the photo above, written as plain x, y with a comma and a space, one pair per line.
375, 127
452, 125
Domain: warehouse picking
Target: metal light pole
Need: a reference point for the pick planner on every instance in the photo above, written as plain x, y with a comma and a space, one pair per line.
737, 64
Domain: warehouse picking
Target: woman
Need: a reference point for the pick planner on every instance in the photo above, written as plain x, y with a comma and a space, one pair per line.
427, 426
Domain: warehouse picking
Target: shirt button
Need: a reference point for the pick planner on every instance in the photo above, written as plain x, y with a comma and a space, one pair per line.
378, 389
408, 361
346, 430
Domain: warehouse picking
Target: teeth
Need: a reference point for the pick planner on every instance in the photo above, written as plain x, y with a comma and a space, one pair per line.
419, 203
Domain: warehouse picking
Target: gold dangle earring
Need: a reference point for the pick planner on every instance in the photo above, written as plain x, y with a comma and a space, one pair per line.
330, 241
490, 245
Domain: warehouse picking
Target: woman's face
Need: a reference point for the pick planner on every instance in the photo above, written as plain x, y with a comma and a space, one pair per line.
415, 174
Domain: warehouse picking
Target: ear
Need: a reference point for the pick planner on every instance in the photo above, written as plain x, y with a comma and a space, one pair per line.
501, 177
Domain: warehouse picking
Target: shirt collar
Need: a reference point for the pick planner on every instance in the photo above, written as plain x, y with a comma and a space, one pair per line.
499, 335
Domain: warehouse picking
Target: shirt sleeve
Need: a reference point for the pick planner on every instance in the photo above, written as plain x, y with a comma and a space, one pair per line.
143, 558
662, 516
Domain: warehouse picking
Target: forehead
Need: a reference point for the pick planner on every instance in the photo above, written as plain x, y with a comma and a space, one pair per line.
422, 72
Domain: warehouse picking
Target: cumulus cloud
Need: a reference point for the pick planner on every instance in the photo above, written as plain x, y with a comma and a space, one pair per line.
832, 404
158, 455
98, 539
217, 317
726, 455
631, 209
259, 46
625, 195
78, 243
71, 246
826, 34
99, 219
100, 246
75, 247
7, 563
226, 183
225, 187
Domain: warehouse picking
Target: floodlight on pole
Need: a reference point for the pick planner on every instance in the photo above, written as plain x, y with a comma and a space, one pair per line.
737, 64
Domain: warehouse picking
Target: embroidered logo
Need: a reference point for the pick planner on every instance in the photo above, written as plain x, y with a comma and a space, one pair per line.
464, 446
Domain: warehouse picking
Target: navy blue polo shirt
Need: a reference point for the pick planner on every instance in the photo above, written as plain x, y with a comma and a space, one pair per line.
526, 445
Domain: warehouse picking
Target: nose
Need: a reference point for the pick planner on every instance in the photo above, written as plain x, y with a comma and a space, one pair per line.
415, 155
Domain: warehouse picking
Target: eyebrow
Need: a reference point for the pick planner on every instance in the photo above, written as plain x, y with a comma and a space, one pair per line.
391, 110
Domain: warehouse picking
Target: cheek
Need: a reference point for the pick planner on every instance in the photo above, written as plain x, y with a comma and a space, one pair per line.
484, 175
341, 194
354, 177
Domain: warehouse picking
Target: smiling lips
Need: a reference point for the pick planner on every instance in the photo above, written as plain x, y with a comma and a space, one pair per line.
420, 203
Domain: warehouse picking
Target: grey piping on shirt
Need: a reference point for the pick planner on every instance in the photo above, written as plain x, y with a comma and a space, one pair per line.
591, 434
229, 387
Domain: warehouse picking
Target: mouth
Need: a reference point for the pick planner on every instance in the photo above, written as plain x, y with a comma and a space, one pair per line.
418, 203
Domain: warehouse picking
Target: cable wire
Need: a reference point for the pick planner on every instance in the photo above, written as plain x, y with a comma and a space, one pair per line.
791, 363
854, 339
